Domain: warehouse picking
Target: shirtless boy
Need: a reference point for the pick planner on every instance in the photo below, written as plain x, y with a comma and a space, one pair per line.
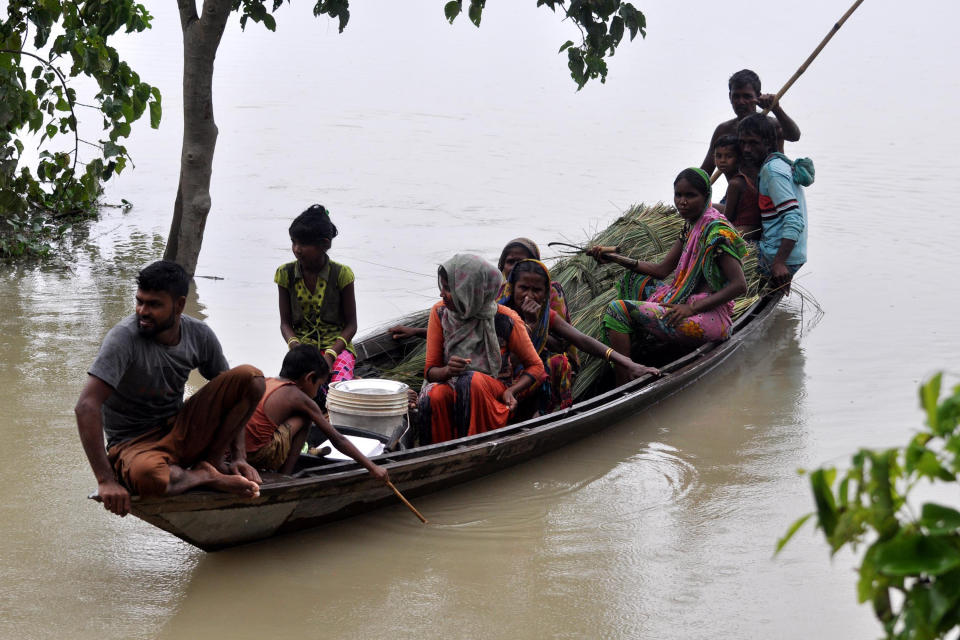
745, 97
278, 428
157, 444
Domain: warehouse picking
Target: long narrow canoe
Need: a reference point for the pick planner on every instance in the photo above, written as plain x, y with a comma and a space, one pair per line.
328, 492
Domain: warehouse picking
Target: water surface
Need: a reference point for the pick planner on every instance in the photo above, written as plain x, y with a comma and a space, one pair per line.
426, 139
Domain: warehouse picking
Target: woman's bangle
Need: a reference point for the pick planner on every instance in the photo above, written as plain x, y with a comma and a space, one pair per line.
330, 352
342, 339
606, 356
292, 340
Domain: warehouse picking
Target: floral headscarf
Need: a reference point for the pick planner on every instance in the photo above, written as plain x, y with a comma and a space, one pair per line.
468, 327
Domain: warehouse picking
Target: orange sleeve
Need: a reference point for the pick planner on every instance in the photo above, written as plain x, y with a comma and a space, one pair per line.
434, 340
520, 346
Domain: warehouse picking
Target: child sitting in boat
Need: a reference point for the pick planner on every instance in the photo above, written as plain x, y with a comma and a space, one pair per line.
317, 300
471, 342
278, 427
726, 153
526, 293
740, 205
695, 306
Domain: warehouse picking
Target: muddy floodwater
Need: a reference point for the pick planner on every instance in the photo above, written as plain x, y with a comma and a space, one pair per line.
426, 139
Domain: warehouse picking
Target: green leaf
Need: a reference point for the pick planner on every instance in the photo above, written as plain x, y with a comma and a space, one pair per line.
929, 397
35, 119
452, 9
616, 30
930, 467
51, 130
155, 114
867, 584
914, 554
944, 596
938, 519
111, 149
782, 542
120, 130
566, 45
475, 12
576, 65
269, 22
820, 481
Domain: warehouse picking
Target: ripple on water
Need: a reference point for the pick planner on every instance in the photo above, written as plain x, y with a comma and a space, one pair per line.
657, 476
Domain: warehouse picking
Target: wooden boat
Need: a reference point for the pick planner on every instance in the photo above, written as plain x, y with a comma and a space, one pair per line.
320, 493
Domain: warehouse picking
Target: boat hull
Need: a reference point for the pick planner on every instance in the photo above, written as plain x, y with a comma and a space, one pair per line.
213, 521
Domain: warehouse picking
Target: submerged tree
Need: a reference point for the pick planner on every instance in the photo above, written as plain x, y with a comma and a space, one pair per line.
910, 571
59, 42
123, 97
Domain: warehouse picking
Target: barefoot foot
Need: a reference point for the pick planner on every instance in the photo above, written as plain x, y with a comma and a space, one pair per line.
228, 483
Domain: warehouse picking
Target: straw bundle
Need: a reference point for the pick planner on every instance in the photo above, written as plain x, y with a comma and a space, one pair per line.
643, 232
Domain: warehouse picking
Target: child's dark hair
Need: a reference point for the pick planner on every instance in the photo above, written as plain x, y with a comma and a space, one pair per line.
528, 266
301, 360
759, 125
515, 245
744, 78
166, 276
728, 141
313, 226
695, 178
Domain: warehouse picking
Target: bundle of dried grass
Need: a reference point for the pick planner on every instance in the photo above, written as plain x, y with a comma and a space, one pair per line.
643, 232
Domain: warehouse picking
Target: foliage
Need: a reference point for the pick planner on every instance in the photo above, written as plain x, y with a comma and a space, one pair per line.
910, 571
38, 40
602, 24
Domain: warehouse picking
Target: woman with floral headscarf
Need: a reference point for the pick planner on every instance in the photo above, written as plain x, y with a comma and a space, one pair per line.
471, 341
694, 306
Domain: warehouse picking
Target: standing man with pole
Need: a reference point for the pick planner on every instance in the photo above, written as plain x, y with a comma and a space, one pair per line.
745, 96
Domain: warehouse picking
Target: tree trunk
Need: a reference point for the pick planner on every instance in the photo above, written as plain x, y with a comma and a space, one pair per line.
201, 37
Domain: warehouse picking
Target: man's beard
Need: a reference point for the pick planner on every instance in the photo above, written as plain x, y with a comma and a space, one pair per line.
158, 327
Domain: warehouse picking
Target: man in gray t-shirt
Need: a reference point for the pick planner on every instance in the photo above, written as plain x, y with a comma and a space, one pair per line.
157, 444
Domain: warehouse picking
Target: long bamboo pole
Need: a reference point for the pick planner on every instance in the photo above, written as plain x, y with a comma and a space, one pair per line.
803, 67
407, 502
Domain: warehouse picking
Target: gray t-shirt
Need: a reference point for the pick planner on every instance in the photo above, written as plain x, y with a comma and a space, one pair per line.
148, 378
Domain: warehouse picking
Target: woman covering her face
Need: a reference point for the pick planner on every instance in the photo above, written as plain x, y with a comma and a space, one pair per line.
471, 341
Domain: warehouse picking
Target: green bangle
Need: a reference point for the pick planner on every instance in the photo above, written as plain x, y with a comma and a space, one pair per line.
331, 352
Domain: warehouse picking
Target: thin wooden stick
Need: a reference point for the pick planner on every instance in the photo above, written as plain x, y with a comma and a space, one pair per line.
803, 67
407, 502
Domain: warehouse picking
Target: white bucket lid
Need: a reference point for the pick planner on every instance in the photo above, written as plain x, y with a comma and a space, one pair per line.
370, 387
368, 397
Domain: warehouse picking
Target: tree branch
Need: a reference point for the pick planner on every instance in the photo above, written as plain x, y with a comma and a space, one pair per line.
188, 12
214, 20
66, 95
